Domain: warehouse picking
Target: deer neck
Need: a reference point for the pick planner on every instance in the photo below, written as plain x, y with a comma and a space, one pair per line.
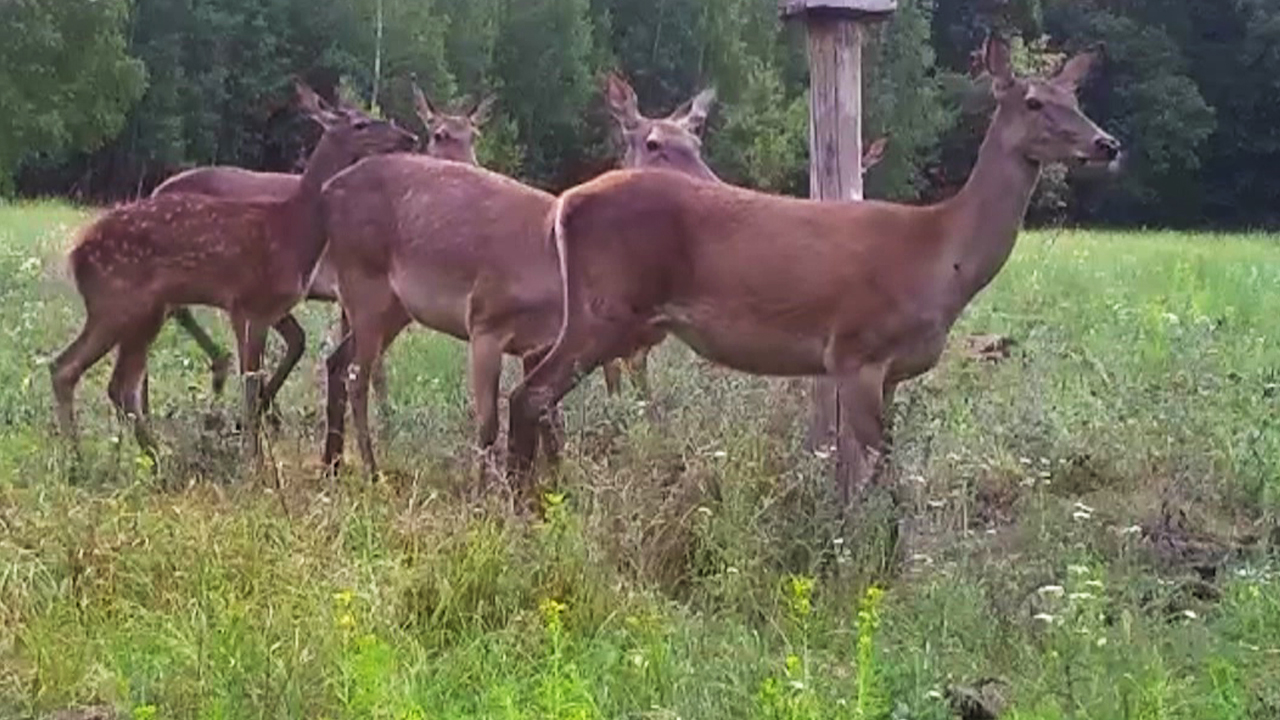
305, 209
987, 213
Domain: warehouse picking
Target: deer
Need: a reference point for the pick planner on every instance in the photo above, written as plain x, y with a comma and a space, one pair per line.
865, 292
252, 258
463, 251
451, 136
637, 364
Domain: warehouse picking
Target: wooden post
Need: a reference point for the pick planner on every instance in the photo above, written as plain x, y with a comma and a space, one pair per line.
835, 148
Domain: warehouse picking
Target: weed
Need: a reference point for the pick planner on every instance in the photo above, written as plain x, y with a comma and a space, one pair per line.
688, 568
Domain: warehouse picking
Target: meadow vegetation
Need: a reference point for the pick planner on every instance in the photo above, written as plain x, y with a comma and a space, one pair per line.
1092, 525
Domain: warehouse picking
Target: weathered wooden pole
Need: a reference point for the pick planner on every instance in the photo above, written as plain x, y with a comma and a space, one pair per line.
835, 30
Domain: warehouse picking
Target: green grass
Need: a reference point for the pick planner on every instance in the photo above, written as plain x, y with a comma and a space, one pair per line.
1093, 521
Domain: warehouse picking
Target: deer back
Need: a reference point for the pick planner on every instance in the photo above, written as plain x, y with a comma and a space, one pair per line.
230, 181
438, 231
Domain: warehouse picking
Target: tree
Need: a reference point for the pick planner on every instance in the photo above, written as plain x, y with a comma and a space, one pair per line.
903, 98
1144, 96
543, 58
66, 80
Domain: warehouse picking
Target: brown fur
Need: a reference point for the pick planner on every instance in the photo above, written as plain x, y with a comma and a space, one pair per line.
460, 250
252, 258
451, 137
865, 292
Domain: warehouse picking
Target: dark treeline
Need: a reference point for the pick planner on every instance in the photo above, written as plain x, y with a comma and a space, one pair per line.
103, 99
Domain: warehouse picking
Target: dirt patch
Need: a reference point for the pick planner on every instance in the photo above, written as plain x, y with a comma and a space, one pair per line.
987, 347
96, 712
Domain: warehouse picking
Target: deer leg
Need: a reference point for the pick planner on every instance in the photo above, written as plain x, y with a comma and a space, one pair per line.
583, 345
612, 377
125, 386
219, 358
551, 425
890, 388
295, 341
378, 378
336, 366
251, 341
822, 414
371, 340
860, 431
485, 351
638, 364
94, 340
368, 344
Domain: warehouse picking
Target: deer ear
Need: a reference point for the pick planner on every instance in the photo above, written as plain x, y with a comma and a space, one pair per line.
693, 114
313, 105
998, 59
874, 153
479, 114
1076, 70
426, 113
622, 101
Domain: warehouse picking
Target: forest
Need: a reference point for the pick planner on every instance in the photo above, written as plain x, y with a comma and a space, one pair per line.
104, 99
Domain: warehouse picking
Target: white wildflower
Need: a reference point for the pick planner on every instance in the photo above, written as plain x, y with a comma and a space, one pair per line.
1045, 618
1051, 591
1078, 569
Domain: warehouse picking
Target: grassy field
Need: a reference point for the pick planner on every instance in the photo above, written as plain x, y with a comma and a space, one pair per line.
1093, 526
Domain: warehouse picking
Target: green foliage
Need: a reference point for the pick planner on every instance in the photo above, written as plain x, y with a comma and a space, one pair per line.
688, 569
542, 58
903, 100
764, 141
66, 79
1148, 100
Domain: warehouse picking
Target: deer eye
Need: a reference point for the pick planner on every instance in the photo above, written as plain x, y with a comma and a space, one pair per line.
440, 136
1034, 104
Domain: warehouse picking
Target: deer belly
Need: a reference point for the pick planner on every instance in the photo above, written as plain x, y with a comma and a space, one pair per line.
751, 348
436, 302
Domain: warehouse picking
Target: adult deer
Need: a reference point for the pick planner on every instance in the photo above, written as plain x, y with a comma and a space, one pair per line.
450, 137
252, 258
863, 291
463, 251
637, 364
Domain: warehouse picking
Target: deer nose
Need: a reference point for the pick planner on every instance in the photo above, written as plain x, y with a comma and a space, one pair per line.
652, 144
1109, 146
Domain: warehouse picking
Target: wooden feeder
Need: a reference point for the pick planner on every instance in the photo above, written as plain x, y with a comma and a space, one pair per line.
835, 30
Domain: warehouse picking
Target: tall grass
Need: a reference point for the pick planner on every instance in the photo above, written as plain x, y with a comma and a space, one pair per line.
1093, 523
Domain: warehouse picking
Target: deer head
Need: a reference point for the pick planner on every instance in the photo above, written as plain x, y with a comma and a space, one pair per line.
349, 134
874, 153
1041, 118
452, 137
673, 142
